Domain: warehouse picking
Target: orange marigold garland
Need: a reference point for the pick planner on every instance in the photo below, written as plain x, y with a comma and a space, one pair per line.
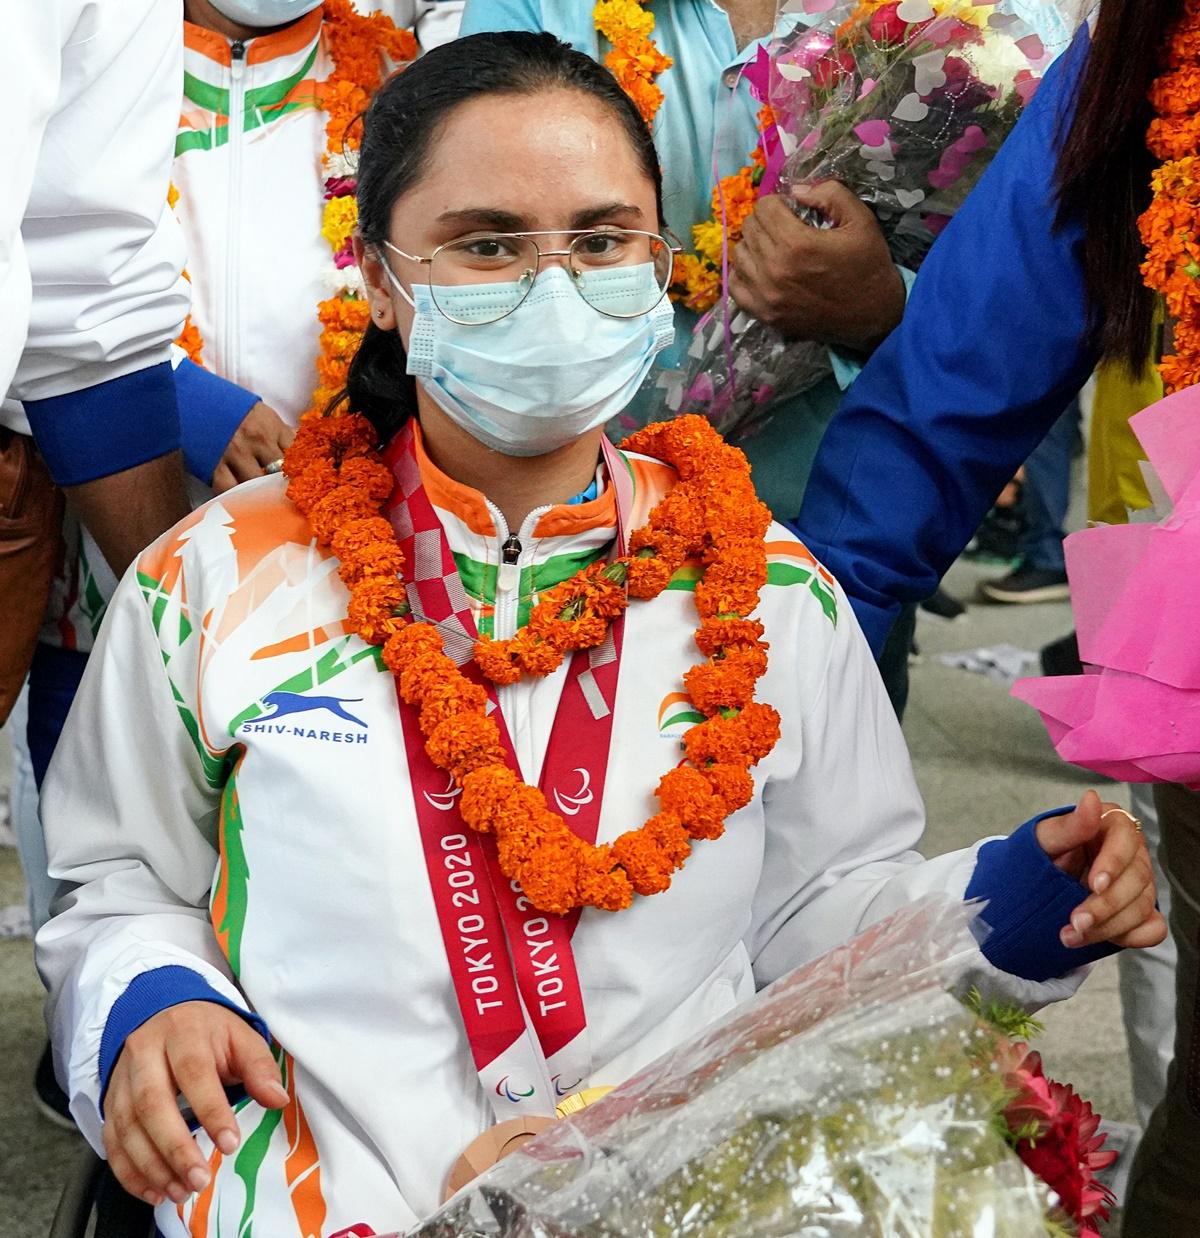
340, 484
635, 60
357, 45
1170, 228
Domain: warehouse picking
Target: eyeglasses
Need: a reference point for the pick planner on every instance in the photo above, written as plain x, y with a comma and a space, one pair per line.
481, 278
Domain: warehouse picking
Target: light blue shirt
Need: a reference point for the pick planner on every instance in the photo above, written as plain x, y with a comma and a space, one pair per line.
706, 128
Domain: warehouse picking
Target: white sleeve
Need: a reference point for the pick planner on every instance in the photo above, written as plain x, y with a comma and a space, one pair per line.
130, 807
842, 833
97, 86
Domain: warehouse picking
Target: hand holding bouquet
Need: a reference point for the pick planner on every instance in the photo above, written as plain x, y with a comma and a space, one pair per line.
853, 1097
904, 103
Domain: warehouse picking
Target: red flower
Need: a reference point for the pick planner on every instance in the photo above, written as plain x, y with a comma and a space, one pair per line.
887, 26
1066, 1153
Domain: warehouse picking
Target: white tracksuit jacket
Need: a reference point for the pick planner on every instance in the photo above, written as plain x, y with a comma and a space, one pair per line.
299, 843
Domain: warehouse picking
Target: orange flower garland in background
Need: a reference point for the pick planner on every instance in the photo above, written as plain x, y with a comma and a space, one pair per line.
339, 482
696, 280
1170, 228
635, 60
357, 45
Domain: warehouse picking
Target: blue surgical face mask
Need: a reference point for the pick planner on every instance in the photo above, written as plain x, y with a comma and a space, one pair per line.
265, 13
551, 370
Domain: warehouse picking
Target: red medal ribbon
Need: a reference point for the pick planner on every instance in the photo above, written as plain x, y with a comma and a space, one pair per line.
512, 966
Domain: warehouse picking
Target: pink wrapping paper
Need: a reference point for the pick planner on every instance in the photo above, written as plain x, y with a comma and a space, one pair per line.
1135, 589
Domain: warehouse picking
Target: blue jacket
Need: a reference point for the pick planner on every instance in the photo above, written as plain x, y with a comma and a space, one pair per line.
989, 353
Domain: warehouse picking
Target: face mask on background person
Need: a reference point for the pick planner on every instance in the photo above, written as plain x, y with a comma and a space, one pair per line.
264, 13
536, 379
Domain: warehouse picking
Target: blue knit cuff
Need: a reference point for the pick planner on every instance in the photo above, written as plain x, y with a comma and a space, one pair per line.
211, 409
109, 428
146, 995
1029, 902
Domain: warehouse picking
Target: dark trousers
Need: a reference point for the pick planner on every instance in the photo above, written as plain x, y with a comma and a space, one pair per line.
1163, 1200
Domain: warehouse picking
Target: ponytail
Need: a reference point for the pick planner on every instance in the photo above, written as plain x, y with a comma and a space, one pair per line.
378, 385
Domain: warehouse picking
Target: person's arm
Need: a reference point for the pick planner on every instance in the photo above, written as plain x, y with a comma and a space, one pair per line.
987, 356
842, 833
132, 806
104, 259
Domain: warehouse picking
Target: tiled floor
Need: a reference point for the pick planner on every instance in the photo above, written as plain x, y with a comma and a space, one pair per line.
984, 765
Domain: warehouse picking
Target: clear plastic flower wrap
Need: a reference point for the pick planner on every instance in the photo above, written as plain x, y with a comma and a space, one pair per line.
855, 1096
905, 104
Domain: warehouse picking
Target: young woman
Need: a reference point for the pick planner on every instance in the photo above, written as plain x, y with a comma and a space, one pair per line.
304, 858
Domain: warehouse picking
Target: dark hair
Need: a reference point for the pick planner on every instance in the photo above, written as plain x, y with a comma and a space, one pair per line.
1104, 171
399, 129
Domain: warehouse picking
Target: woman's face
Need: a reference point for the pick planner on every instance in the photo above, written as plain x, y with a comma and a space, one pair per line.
553, 161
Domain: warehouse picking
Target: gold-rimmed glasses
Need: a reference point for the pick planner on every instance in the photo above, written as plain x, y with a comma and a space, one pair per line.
485, 276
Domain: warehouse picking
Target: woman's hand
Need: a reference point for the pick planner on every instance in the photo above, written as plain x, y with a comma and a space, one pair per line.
837, 285
197, 1048
1099, 845
261, 439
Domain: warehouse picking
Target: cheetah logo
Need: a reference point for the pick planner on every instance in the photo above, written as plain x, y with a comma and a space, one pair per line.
284, 703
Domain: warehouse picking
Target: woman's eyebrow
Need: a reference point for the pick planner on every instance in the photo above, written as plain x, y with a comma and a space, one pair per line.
505, 221
485, 217
594, 214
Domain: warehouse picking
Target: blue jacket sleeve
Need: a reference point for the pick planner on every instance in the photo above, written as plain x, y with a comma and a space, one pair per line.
210, 410
989, 353
108, 428
1029, 902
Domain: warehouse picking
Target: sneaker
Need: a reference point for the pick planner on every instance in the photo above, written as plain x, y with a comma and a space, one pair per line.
998, 538
943, 606
50, 1099
1027, 584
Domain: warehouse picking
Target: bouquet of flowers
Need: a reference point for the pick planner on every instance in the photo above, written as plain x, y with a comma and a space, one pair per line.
903, 102
853, 1097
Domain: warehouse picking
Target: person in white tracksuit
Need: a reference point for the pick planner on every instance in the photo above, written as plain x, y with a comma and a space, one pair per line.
268, 886
91, 289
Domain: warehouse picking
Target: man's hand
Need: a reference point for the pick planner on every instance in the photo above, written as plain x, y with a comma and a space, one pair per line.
1099, 845
260, 440
836, 285
197, 1048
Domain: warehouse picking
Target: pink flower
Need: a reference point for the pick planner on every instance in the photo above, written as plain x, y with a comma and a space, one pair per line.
1066, 1153
344, 257
340, 187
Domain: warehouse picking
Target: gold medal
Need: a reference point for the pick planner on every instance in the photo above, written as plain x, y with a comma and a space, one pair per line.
581, 1100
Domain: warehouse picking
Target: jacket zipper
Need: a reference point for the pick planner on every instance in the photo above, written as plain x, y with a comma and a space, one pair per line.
512, 561
237, 130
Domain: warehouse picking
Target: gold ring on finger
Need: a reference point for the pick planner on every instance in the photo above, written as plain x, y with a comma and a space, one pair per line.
1137, 825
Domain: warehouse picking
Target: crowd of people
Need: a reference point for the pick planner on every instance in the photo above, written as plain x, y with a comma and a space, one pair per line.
345, 668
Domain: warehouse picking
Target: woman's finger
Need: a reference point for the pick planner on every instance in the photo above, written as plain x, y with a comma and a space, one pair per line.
1120, 842
158, 1113
195, 1071
1090, 917
150, 1165
126, 1174
1130, 917
251, 1062
1152, 933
